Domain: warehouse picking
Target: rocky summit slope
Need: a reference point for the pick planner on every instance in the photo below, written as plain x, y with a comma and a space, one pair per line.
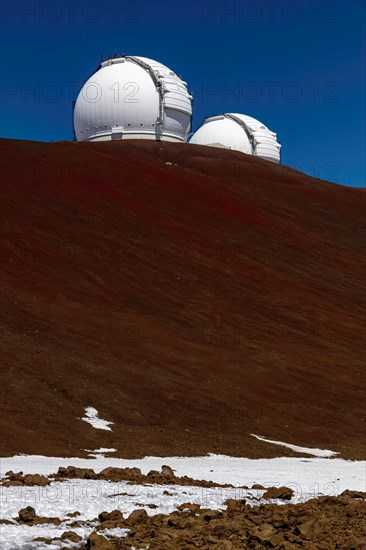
192, 295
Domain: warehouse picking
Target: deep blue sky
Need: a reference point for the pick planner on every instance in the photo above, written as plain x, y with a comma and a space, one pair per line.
298, 66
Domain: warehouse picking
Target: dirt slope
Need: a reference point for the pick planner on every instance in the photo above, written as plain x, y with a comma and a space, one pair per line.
192, 295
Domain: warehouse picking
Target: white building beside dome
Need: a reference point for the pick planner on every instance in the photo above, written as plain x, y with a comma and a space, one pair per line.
239, 132
133, 98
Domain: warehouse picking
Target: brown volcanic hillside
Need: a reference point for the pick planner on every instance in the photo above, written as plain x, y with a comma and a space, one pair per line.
192, 295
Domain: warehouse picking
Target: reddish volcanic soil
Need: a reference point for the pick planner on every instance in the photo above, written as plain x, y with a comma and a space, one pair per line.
191, 303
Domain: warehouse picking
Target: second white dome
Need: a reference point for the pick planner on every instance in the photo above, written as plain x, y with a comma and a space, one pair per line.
239, 132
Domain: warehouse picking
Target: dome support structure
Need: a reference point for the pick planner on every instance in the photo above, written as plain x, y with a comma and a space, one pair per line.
159, 84
246, 129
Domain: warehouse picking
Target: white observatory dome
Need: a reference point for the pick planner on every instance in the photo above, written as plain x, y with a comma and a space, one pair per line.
133, 98
239, 132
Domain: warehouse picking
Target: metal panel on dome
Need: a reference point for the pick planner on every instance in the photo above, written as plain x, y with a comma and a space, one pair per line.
175, 94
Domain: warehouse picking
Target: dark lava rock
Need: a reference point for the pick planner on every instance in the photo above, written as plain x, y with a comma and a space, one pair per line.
98, 542
258, 486
166, 471
27, 514
353, 494
28, 480
283, 493
137, 516
71, 535
115, 515
72, 472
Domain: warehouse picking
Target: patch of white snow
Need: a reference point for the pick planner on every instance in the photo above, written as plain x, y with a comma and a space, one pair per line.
308, 478
114, 532
100, 453
321, 453
91, 416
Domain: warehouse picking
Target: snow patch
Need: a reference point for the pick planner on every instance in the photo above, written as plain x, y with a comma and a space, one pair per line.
114, 532
91, 416
21, 537
100, 453
321, 453
346, 474
308, 478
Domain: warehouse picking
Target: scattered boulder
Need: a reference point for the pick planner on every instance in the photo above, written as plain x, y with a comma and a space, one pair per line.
120, 474
70, 535
192, 508
209, 515
29, 480
98, 542
36, 479
115, 515
174, 520
137, 516
239, 526
282, 493
11, 475
263, 533
166, 471
353, 494
14, 483
305, 529
134, 471
71, 472
27, 514
258, 487
233, 504
134, 476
